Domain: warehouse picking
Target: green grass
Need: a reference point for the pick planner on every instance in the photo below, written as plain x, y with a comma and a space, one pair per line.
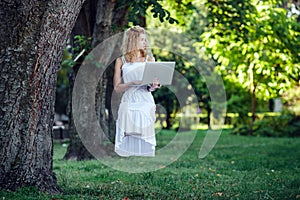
238, 167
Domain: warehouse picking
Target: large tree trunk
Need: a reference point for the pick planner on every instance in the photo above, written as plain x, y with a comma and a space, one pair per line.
76, 150
106, 20
84, 26
33, 35
110, 20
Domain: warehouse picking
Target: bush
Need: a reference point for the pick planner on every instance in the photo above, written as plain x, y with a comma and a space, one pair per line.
285, 125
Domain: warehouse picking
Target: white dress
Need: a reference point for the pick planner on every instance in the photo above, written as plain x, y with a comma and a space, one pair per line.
135, 133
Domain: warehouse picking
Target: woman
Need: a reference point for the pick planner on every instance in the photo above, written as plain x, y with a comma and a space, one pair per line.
135, 134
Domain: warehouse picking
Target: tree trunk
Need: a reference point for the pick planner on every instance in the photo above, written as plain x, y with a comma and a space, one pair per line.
168, 120
76, 150
209, 112
104, 19
108, 22
253, 99
84, 26
33, 35
253, 108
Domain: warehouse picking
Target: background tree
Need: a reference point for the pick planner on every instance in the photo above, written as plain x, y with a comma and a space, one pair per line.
82, 46
106, 18
256, 43
191, 23
236, 35
33, 36
95, 22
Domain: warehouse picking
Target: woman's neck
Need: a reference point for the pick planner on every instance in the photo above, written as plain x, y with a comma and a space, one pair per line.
139, 57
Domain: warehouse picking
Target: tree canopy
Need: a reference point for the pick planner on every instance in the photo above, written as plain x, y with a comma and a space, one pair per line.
254, 37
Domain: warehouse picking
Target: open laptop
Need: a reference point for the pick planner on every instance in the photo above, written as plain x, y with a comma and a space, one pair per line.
162, 70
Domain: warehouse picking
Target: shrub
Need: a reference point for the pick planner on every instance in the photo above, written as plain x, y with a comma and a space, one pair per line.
284, 125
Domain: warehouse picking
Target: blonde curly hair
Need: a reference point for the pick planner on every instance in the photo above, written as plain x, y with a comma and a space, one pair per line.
130, 43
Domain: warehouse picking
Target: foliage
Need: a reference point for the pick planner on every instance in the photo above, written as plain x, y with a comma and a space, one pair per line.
291, 99
258, 36
62, 84
138, 8
284, 125
255, 45
180, 37
184, 12
80, 43
243, 37
237, 168
238, 101
181, 10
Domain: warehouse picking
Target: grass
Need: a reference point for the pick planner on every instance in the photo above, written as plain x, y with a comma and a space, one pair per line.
238, 167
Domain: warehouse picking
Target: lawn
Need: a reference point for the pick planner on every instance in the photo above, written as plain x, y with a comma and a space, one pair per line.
238, 167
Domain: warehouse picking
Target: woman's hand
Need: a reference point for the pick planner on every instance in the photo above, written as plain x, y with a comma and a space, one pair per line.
152, 87
156, 83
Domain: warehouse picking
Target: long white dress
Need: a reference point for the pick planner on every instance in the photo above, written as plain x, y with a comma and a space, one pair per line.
135, 133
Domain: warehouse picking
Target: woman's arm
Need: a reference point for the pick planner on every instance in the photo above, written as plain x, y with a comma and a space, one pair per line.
119, 86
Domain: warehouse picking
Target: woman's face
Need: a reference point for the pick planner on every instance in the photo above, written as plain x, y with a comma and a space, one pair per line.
142, 42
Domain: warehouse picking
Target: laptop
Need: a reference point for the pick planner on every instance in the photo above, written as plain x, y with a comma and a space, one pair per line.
162, 70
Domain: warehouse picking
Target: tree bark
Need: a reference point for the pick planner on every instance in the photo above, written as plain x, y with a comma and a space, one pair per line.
33, 35
104, 19
109, 21
84, 26
76, 150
